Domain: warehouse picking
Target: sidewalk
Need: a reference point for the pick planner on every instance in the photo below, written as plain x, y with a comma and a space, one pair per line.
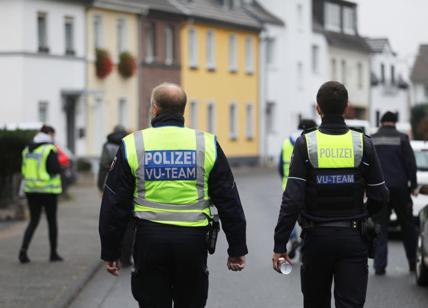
44, 284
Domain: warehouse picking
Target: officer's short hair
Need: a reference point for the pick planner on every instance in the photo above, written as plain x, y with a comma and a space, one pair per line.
332, 98
170, 98
47, 129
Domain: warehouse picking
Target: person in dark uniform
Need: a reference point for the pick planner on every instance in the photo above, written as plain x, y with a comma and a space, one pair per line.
166, 177
331, 169
399, 166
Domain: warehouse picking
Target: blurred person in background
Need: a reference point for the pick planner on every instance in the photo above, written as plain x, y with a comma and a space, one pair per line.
284, 166
42, 185
110, 147
399, 167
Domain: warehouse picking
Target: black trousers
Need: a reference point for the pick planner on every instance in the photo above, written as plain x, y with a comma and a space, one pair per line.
333, 254
170, 266
401, 203
36, 203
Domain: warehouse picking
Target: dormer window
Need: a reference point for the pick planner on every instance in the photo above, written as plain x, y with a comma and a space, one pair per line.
228, 4
349, 20
332, 17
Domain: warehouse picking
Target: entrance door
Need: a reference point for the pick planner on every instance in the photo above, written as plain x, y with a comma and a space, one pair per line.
70, 102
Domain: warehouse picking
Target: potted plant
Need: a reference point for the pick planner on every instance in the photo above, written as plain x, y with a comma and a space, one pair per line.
127, 64
103, 63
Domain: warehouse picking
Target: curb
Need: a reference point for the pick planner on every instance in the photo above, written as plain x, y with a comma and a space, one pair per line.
67, 300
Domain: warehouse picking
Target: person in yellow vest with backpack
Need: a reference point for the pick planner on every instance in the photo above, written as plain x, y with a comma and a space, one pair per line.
166, 178
42, 185
284, 166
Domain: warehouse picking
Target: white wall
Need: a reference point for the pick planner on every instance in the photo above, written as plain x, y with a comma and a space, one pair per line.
358, 96
28, 77
292, 96
388, 97
418, 94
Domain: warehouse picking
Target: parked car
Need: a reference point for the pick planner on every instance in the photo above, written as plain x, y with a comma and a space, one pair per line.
422, 252
421, 153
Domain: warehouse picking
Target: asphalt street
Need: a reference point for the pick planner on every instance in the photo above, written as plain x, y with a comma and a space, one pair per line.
258, 286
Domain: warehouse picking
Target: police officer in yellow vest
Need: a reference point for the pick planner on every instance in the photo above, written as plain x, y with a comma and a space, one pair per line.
284, 166
42, 185
331, 170
167, 177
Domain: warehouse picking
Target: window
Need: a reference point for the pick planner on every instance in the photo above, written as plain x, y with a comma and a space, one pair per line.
360, 75
233, 119
210, 50
233, 55
98, 31
193, 115
122, 112
392, 75
228, 4
270, 51
333, 69
344, 72
193, 48
249, 55
249, 122
315, 58
169, 45
300, 75
43, 112
382, 73
426, 91
69, 35
42, 32
270, 117
211, 118
332, 17
149, 39
349, 20
121, 35
300, 17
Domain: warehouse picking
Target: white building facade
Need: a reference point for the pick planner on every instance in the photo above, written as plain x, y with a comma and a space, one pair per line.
348, 53
42, 60
389, 92
419, 77
286, 73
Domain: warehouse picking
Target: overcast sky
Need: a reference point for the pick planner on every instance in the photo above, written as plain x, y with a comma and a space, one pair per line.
404, 22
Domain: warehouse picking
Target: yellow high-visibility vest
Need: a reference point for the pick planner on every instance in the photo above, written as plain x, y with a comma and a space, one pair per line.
34, 170
171, 166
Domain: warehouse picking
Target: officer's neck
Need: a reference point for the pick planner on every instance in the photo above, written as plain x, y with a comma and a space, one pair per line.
333, 118
168, 119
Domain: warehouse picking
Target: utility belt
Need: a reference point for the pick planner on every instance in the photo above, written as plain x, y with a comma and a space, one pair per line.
213, 230
368, 229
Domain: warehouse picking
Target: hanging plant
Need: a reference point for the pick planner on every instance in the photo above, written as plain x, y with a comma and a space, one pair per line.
127, 64
103, 63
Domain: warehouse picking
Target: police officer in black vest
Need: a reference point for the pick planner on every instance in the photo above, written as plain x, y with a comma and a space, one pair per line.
331, 169
399, 166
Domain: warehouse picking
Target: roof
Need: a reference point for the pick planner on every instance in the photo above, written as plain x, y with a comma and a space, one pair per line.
161, 6
346, 41
420, 68
255, 9
212, 10
129, 6
377, 45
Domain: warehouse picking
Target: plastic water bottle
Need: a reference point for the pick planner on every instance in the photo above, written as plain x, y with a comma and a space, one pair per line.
284, 266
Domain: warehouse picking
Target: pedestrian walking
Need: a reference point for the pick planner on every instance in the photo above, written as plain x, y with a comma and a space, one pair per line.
110, 148
166, 177
331, 169
284, 166
399, 167
42, 185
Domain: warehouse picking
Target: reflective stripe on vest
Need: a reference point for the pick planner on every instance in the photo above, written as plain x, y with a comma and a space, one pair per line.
287, 152
34, 171
171, 171
335, 151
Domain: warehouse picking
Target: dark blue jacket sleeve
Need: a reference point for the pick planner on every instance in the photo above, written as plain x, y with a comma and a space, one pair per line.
224, 194
116, 207
281, 166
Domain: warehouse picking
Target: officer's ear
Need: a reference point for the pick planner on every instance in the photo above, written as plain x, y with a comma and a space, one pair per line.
319, 110
154, 110
345, 112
